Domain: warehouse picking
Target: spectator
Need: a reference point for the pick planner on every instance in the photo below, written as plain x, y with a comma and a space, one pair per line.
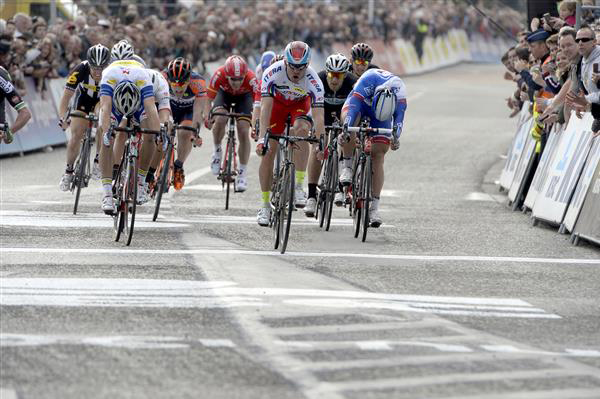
22, 23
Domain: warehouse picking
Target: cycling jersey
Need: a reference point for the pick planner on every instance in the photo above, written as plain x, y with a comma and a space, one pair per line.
361, 99
276, 84
220, 81
334, 100
87, 90
131, 71
196, 89
8, 92
161, 90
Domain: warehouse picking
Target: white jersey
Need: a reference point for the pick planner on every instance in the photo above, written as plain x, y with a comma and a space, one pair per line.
161, 90
126, 70
275, 83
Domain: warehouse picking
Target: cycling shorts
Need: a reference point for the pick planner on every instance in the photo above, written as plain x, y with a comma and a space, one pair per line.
297, 109
85, 103
182, 114
244, 103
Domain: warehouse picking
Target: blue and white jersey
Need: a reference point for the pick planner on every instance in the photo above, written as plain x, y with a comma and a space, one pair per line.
360, 100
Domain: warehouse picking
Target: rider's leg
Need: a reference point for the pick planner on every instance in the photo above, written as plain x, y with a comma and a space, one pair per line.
78, 127
314, 171
184, 143
243, 128
378, 151
265, 172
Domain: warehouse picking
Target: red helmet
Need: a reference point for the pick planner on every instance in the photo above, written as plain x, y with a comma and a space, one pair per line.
235, 67
179, 70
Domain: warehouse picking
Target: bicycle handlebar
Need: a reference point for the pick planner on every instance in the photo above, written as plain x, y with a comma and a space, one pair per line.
136, 130
185, 127
231, 114
90, 117
3, 126
376, 130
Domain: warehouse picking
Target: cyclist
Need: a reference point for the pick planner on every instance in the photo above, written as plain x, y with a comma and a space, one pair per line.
257, 97
188, 93
232, 83
361, 56
338, 84
380, 96
126, 90
8, 92
289, 87
84, 83
265, 61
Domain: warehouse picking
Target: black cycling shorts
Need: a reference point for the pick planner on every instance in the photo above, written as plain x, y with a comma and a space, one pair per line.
85, 103
244, 103
182, 114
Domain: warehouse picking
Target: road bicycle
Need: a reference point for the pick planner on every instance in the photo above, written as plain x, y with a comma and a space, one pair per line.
125, 181
82, 174
328, 183
228, 171
166, 167
360, 190
282, 191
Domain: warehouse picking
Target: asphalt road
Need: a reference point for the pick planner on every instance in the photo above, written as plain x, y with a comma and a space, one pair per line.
455, 296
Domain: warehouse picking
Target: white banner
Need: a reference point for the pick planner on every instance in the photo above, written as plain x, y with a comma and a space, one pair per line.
541, 172
551, 203
521, 171
582, 186
514, 155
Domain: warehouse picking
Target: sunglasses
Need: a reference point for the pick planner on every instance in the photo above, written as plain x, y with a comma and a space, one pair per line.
338, 75
583, 39
236, 79
361, 62
178, 84
298, 67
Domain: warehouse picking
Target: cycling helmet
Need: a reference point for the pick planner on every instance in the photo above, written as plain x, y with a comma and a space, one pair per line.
337, 63
384, 103
235, 67
266, 58
98, 56
127, 98
297, 53
179, 70
362, 51
278, 57
122, 50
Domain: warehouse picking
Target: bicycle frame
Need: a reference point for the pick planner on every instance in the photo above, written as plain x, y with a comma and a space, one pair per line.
82, 166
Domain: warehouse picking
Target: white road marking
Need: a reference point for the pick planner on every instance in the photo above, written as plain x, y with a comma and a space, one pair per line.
479, 196
212, 252
141, 222
113, 341
575, 393
567, 352
309, 346
89, 292
7, 393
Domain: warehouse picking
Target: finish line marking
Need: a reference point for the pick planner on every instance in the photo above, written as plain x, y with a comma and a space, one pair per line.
210, 251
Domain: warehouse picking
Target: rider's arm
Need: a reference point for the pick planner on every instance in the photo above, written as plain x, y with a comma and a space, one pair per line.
23, 116
266, 106
164, 115
70, 86
199, 109
319, 118
105, 111
351, 109
64, 102
151, 112
399, 116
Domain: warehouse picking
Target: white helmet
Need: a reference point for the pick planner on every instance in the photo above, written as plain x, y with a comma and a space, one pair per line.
122, 50
384, 103
337, 63
127, 98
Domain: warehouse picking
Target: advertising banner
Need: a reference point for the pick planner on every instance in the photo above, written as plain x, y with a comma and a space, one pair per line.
583, 185
565, 169
514, 155
588, 222
542, 170
522, 168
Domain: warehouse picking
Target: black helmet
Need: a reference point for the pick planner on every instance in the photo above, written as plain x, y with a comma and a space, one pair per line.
98, 56
362, 51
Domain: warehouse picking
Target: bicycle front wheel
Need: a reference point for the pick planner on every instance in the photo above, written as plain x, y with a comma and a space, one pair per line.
80, 171
228, 170
322, 195
331, 189
367, 178
118, 189
161, 185
130, 199
357, 207
287, 205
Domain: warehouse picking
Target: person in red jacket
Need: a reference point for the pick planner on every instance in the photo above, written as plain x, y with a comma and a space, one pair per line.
232, 83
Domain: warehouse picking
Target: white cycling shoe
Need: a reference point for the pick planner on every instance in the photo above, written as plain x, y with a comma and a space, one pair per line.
65, 182
346, 176
264, 217
374, 218
311, 207
96, 173
215, 163
300, 197
339, 199
142, 194
108, 204
241, 184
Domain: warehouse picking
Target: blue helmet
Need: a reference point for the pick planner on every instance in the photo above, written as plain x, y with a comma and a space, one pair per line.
266, 58
297, 53
384, 103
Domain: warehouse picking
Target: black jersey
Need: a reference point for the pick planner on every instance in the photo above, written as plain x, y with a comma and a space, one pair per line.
81, 80
8, 92
334, 100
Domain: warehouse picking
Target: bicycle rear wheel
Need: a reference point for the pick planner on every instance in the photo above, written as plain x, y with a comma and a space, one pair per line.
228, 170
287, 205
79, 179
356, 199
130, 199
322, 196
163, 179
118, 188
366, 195
331, 189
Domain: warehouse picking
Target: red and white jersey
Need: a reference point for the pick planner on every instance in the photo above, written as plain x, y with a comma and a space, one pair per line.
219, 81
275, 83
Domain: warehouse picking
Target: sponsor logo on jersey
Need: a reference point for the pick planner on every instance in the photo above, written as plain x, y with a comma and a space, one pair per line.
72, 78
93, 88
111, 82
140, 83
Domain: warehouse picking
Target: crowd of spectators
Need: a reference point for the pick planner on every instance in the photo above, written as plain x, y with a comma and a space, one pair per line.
556, 71
205, 31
